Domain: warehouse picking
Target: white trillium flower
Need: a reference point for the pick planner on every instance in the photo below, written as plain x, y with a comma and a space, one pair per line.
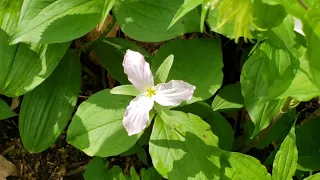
136, 116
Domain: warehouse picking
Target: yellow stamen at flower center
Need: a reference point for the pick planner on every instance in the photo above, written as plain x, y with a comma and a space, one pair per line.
151, 92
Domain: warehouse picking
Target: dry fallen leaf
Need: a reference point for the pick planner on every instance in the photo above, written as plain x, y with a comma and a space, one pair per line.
7, 168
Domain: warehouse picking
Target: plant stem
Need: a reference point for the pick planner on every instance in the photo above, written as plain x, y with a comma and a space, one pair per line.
91, 45
303, 4
284, 109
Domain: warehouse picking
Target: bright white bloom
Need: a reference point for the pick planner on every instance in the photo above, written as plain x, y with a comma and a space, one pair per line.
136, 117
298, 25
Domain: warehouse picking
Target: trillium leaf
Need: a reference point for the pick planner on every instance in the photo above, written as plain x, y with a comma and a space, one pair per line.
228, 98
150, 174
125, 90
187, 6
96, 170
99, 119
246, 167
195, 56
23, 66
164, 69
152, 24
179, 139
5, 111
45, 111
47, 21
285, 163
313, 177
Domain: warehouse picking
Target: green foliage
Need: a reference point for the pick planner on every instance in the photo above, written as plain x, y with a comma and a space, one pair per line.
285, 163
152, 24
229, 98
180, 138
46, 110
5, 111
46, 21
98, 121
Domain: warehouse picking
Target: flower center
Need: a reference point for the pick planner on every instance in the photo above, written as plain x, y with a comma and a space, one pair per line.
151, 92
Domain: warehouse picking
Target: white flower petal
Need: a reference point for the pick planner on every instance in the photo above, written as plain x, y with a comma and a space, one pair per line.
298, 25
173, 93
136, 117
138, 70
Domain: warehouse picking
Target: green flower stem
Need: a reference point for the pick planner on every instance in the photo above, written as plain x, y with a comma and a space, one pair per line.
283, 110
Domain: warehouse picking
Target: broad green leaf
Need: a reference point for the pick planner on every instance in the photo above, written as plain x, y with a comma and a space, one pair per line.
267, 16
108, 4
186, 7
285, 163
97, 128
308, 144
142, 155
228, 98
291, 6
195, 56
164, 69
179, 139
111, 51
279, 131
55, 21
262, 114
150, 24
129, 90
46, 110
5, 111
222, 129
313, 177
150, 174
200, 109
23, 66
246, 167
301, 87
95, 170
270, 70
311, 28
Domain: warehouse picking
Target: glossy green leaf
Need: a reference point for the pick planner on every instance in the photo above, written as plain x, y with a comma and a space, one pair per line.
228, 98
246, 167
267, 16
95, 170
200, 109
262, 114
285, 163
46, 110
279, 131
291, 6
164, 69
222, 129
186, 7
108, 4
111, 51
23, 66
125, 90
55, 21
312, 34
313, 177
179, 139
308, 144
151, 24
99, 120
150, 174
5, 111
270, 70
195, 56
